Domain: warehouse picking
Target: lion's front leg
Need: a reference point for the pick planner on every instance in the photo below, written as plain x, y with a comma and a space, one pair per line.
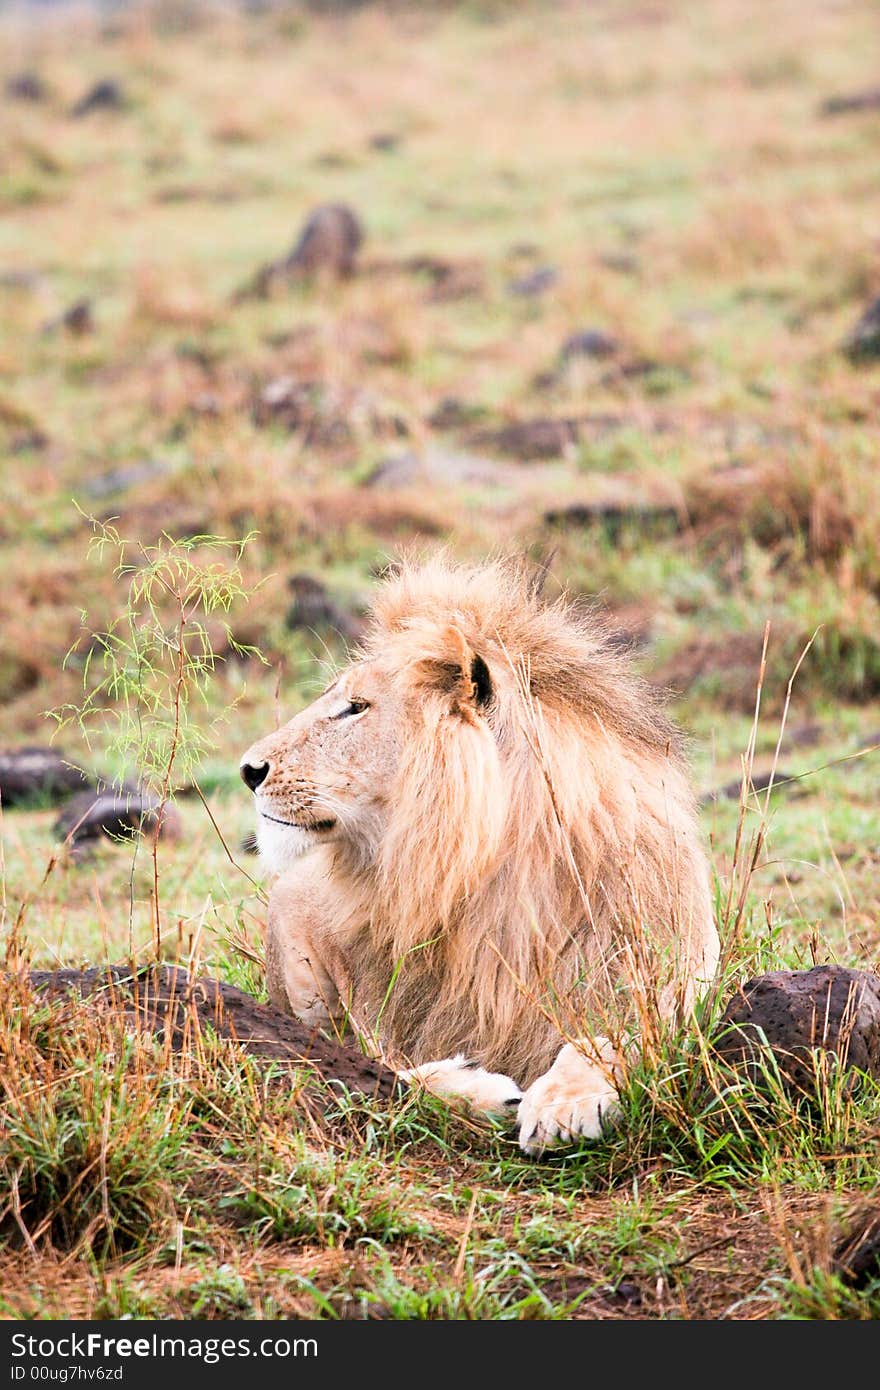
298, 973
575, 1099
457, 1079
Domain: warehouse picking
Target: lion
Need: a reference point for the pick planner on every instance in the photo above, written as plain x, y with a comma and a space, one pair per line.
487, 849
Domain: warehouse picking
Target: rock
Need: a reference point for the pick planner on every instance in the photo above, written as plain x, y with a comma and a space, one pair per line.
760, 781
726, 665
592, 342
205, 404
164, 999
453, 414
384, 141
651, 518
121, 479
120, 812
449, 280
436, 466
830, 1008
106, 95
327, 249
36, 774
868, 100
805, 735
328, 243
30, 441
18, 673
77, 320
534, 282
624, 262
304, 407
543, 437
862, 343
856, 1257
26, 86
313, 609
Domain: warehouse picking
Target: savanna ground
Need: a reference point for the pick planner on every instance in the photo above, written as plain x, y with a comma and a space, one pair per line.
671, 169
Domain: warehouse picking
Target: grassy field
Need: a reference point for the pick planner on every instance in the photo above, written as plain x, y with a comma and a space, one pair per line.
663, 178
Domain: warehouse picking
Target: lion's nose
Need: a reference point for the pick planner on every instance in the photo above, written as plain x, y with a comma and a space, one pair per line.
254, 775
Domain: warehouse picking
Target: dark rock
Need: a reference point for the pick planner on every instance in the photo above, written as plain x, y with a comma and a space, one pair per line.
449, 280
541, 438
121, 812
29, 441
454, 414
856, 1257
121, 479
163, 1000
205, 404
37, 774
304, 407
760, 781
26, 86
313, 609
805, 735
624, 262
77, 320
829, 1008
436, 466
868, 100
327, 248
862, 343
106, 95
614, 516
727, 665
534, 282
384, 141
328, 243
592, 342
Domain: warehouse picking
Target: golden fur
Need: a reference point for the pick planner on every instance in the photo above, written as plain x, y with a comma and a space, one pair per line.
513, 857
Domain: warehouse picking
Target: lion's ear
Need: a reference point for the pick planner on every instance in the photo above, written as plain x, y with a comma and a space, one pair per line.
460, 673
481, 682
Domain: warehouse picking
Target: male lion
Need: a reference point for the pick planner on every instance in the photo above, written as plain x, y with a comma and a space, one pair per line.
487, 849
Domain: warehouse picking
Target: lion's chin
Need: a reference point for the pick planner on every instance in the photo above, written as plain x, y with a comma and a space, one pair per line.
280, 845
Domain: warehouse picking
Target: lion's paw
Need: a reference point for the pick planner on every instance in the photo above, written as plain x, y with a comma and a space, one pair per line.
575, 1099
455, 1078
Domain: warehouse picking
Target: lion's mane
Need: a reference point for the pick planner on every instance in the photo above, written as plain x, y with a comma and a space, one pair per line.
542, 872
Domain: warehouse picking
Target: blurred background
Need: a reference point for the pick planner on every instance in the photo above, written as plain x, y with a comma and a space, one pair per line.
592, 282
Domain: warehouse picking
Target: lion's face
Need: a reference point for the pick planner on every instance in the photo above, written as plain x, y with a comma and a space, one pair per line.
327, 775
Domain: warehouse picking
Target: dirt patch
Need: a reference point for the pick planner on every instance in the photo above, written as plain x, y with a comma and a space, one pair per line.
164, 999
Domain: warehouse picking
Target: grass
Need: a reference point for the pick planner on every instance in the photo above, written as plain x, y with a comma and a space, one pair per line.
676, 173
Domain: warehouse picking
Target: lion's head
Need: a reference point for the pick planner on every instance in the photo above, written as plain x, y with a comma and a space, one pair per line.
500, 793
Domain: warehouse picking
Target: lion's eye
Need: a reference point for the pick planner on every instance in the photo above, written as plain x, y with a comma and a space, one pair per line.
353, 707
